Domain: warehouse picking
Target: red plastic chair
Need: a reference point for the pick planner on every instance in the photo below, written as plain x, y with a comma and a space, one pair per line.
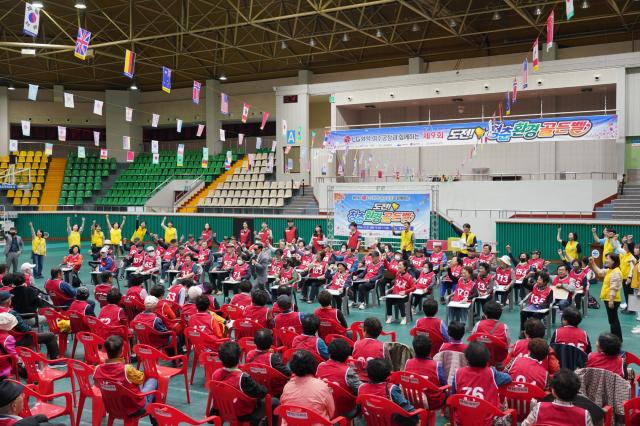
356, 329
38, 370
246, 345
300, 416
267, 376
78, 324
132, 307
149, 336
632, 359
103, 330
92, 343
44, 406
518, 396
231, 312
379, 411
632, 412
284, 337
245, 328
328, 327
32, 334
471, 411
497, 348
165, 415
52, 316
344, 401
210, 362
120, 402
436, 340
331, 337
200, 342
12, 360
150, 359
421, 393
226, 397
83, 372
288, 354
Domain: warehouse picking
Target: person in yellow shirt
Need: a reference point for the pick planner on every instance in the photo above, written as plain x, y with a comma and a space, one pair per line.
74, 233
170, 233
115, 235
407, 239
572, 249
141, 230
97, 240
467, 238
609, 243
38, 250
611, 285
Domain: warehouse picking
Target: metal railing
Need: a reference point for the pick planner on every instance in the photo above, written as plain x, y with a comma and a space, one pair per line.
508, 214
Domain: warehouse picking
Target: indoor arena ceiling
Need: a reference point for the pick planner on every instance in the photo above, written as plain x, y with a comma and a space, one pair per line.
258, 39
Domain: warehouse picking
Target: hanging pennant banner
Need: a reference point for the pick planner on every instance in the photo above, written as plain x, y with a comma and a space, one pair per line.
82, 44
570, 12
222, 135
178, 125
245, 111
299, 135
525, 73
31, 20
273, 146
550, 30
68, 100
154, 147
62, 133
265, 116
284, 127
240, 138
514, 93
224, 103
181, 148
97, 107
155, 119
180, 156
195, 95
340, 170
166, 79
270, 164
313, 137
48, 149
26, 127
129, 63
128, 114
126, 143
205, 157
155, 158
33, 92
96, 138
290, 165
252, 159
228, 160
130, 156
81, 153
104, 153
258, 143
200, 130
13, 145
536, 61
287, 149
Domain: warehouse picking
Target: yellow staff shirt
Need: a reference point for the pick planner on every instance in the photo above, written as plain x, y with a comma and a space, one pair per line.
468, 241
170, 233
39, 246
74, 239
116, 236
97, 238
606, 285
406, 240
572, 249
139, 234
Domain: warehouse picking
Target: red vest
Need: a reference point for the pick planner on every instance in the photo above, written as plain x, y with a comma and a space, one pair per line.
455, 272
528, 370
403, 283
148, 319
202, 256
335, 372
305, 261
521, 271
478, 382
188, 268
173, 295
241, 300
137, 259
201, 321
290, 234
432, 325
436, 258
306, 343
114, 372
372, 270
169, 253
148, 263
101, 291
349, 260
132, 251
364, 350
463, 289
315, 242
424, 280
289, 321
574, 336
112, 315
487, 258
264, 237
579, 277
187, 310
134, 293
240, 271
257, 313
537, 263
454, 347
377, 389
470, 261
229, 261
286, 276
259, 357
538, 296
503, 276
483, 283
486, 326
317, 270
418, 262
327, 314
613, 363
353, 240
338, 280
245, 236
552, 414
114, 266
233, 378
426, 367
79, 306
53, 288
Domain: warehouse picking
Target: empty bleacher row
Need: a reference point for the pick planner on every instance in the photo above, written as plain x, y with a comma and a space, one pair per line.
83, 177
37, 162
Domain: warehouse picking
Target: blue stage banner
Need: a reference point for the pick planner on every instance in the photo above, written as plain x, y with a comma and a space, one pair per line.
378, 214
597, 127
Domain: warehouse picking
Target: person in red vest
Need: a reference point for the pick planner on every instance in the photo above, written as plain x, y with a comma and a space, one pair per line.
177, 294
367, 280
264, 353
264, 235
465, 291
287, 318
149, 318
164, 308
398, 295
327, 313
533, 328
206, 321
570, 333
309, 340
245, 235
354, 237
491, 324
112, 314
115, 370
290, 232
530, 368
608, 355
565, 386
82, 304
369, 347
337, 370
258, 310
425, 283
540, 298
431, 323
60, 291
422, 364
135, 290
243, 298
456, 333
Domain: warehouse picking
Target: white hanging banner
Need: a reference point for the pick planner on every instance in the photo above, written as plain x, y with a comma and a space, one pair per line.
155, 158
96, 138
13, 145
81, 153
284, 127
222, 135
154, 147
104, 154
258, 143
26, 127
62, 133
240, 138
97, 107
200, 130
128, 114
273, 145
270, 164
33, 92
68, 100
155, 118
48, 149
126, 143
178, 125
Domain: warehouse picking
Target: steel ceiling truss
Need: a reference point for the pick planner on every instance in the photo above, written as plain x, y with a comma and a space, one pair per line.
251, 39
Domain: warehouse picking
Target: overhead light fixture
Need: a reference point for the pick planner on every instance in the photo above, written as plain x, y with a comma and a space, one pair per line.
453, 23
283, 45
133, 86
80, 4
496, 16
312, 42
585, 5
28, 52
345, 38
379, 33
537, 11
222, 77
415, 28
37, 4
11, 87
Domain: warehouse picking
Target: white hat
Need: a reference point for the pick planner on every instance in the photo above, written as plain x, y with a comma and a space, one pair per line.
437, 244
104, 250
7, 321
194, 292
107, 242
150, 302
27, 265
505, 259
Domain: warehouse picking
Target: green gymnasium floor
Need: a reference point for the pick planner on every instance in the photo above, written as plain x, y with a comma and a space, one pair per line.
595, 323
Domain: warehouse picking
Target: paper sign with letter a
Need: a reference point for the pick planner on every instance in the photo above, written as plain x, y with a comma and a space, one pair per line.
291, 137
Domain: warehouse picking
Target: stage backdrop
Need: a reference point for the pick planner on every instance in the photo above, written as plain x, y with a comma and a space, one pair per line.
377, 213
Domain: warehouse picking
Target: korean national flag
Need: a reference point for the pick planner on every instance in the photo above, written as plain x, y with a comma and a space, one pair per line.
31, 20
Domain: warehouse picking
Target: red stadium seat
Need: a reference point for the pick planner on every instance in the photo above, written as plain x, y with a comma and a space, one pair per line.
245, 328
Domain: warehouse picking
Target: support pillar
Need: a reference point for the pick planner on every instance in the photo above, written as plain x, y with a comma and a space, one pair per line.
4, 121
117, 126
213, 116
297, 117
416, 65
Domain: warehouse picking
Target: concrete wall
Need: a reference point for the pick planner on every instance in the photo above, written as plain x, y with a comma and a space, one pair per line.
163, 200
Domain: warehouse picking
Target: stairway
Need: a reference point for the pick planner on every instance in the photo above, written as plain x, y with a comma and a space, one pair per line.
53, 184
191, 205
106, 185
302, 203
625, 207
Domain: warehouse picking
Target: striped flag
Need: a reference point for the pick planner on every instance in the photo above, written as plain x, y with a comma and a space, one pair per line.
195, 96
569, 7
224, 103
508, 103
166, 79
245, 112
550, 31
536, 61
525, 73
514, 95
129, 63
82, 44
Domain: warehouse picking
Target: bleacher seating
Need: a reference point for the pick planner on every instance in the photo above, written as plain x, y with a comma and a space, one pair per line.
83, 177
37, 162
142, 178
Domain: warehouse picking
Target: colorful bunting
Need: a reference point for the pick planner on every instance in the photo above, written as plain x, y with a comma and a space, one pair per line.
97, 107
569, 9
525, 73
130, 156
129, 63
33, 92
62, 133
550, 19
31, 20
245, 111
178, 125
96, 138
222, 135
104, 153
68, 100
13, 145
166, 79
155, 119
26, 127
195, 96
536, 62
224, 103
200, 130
284, 127
82, 44
48, 149
313, 137
265, 116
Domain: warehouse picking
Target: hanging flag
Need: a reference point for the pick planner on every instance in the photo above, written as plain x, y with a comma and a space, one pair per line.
154, 147
82, 44
48, 149
180, 156
155, 158
258, 143
81, 153
97, 107
96, 138
252, 160
68, 100
270, 164
129, 63
222, 135
525, 73
128, 114
62, 133
178, 125
200, 130
299, 135
26, 127
195, 96
569, 7
155, 119
166, 79
227, 160
205, 157
287, 149
245, 111
273, 145
284, 127
224, 103
536, 62
33, 92
265, 116
104, 153
126, 143
13, 145
31, 20
130, 156
550, 19
313, 137
240, 138
514, 94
